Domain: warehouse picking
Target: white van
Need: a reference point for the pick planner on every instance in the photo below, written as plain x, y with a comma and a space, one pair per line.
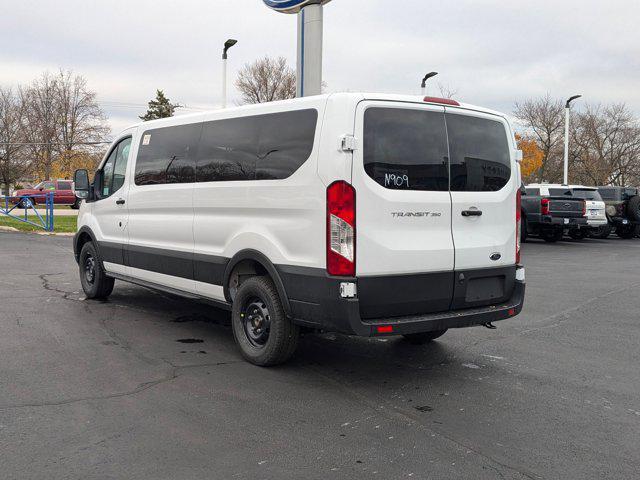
370, 215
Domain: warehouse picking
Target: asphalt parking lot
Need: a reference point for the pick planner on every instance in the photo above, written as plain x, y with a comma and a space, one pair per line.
148, 386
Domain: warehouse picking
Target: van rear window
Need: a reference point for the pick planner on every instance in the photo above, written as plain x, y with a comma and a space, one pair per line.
406, 149
480, 156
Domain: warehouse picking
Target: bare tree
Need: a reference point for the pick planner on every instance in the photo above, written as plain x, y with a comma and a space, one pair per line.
544, 120
42, 121
266, 80
446, 91
605, 146
64, 120
12, 119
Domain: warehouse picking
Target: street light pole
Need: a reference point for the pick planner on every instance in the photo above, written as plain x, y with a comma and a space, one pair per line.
566, 137
227, 45
424, 81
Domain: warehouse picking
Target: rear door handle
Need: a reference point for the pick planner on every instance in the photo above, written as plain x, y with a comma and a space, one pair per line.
120, 201
472, 213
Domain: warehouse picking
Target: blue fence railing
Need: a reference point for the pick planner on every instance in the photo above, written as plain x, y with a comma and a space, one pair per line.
13, 206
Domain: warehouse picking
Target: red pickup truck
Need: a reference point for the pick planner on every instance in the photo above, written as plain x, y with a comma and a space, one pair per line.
62, 192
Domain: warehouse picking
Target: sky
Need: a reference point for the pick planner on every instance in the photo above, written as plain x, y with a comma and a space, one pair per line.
493, 53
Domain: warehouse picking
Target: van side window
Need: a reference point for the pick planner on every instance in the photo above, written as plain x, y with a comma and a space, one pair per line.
406, 149
107, 174
167, 155
262, 147
122, 158
480, 157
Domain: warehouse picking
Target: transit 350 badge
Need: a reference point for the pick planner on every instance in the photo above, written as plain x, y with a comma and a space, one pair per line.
292, 6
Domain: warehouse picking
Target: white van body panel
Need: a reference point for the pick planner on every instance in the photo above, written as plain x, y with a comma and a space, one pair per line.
477, 239
394, 240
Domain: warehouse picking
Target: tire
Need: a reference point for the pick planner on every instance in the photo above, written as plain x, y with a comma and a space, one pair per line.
422, 338
95, 283
633, 208
601, 232
523, 228
263, 332
578, 234
552, 235
25, 205
627, 232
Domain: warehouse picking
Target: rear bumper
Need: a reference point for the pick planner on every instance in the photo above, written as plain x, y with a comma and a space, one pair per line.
571, 222
326, 310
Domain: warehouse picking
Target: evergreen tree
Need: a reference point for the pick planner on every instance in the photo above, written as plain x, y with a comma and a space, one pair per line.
160, 107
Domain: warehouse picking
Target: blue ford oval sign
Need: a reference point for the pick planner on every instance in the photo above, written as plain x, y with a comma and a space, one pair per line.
292, 6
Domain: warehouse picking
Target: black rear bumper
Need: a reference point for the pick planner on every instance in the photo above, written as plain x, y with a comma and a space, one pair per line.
315, 302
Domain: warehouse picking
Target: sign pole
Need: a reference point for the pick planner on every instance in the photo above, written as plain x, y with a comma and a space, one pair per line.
310, 31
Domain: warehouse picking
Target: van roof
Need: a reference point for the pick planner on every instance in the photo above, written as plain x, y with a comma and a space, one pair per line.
351, 96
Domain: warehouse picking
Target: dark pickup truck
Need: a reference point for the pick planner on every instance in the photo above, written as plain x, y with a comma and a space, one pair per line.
550, 217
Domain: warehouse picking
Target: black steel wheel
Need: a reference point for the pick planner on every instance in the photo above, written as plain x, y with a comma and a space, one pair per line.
95, 282
263, 332
425, 337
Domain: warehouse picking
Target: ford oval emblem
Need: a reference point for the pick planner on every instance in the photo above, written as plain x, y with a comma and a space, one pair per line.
291, 6
495, 256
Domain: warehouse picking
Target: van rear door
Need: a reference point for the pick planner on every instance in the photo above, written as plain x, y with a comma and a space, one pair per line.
404, 246
484, 180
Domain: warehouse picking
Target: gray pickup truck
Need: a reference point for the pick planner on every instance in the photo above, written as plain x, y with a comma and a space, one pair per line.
550, 217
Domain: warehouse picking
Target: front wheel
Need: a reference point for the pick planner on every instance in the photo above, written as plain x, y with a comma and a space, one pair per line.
425, 337
95, 282
578, 234
263, 332
602, 232
627, 232
552, 235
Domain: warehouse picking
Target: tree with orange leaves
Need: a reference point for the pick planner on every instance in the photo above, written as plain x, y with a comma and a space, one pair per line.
532, 157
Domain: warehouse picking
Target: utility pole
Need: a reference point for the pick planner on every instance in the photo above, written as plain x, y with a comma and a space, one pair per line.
566, 137
424, 81
227, 45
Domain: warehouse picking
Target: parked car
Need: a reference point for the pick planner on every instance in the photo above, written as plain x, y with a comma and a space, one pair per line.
370, 215
550, 216
62, 193
623, 211
594, 206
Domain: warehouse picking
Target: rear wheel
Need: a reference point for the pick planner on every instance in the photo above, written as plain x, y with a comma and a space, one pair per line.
627, 231
601, 232
633, 208
578, 234
552, 235
425, 337
95, 282
263, 332
523, 228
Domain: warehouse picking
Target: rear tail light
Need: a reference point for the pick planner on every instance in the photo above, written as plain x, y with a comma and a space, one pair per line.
518, 224
341, 229
544, 205
584, 208
620, 208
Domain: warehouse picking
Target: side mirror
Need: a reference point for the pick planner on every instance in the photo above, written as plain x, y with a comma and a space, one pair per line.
81, 184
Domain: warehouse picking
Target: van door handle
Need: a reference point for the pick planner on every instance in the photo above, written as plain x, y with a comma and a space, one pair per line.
472, 213
120, 201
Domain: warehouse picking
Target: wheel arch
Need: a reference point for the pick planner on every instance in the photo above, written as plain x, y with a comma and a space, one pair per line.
82, 236
261, 264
